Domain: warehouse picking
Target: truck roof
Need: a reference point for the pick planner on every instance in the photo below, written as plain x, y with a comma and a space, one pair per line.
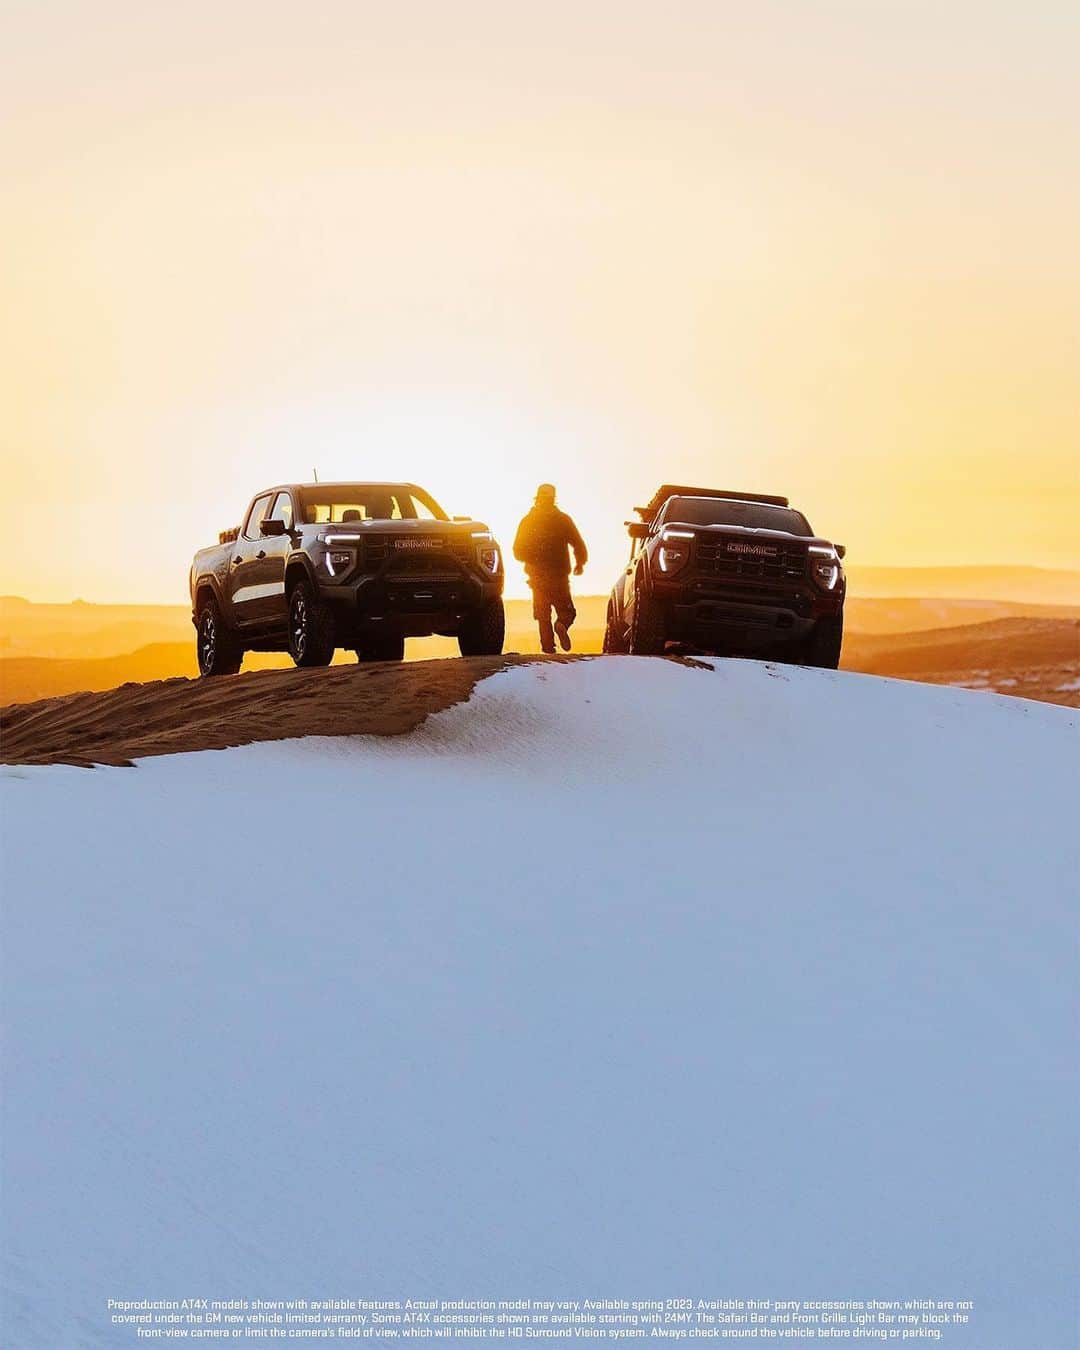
660, 496
339, 483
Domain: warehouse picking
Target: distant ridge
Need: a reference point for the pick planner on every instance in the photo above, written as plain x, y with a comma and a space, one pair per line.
1025, 585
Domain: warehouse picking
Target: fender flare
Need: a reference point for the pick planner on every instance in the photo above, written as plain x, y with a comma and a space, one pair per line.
296, 559
643, 573
207, 581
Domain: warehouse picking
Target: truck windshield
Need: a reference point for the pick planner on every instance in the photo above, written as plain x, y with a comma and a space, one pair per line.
753, 515
350, 503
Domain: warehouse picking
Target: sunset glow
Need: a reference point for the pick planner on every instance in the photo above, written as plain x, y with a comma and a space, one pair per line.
822, 250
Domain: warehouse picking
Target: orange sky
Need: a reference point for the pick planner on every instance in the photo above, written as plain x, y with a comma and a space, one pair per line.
827, 249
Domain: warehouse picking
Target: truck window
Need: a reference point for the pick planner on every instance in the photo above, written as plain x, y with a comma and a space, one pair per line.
282, 509
722, 511
350, 503
420, 509
259, 508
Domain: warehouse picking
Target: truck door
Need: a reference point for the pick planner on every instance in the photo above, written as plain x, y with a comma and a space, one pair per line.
271, 607
245, 589
629, 579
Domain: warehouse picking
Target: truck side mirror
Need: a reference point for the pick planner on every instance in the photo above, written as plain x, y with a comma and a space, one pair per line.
637, 529
271, 527
841, 551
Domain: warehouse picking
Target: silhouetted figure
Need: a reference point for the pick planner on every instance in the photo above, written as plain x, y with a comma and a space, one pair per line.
543, 543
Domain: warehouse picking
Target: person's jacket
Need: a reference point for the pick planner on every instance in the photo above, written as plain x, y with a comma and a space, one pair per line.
544, 540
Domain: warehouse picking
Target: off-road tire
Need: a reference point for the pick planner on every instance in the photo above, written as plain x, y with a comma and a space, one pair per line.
388, 647
614, 641
217, 648
647, 626
824, 643
483, 632
311, 627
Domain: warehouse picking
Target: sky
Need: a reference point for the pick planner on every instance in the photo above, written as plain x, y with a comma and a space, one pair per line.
827, 250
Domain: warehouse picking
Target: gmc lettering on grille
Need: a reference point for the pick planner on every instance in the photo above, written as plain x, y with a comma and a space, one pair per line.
756, 550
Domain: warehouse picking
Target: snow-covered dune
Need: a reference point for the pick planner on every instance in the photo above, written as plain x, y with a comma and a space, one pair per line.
623, 979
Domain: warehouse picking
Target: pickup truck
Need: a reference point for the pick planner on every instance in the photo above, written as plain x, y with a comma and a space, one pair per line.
317, 566
737, 573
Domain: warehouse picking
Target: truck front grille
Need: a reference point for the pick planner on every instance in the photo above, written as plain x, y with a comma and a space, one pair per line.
377, 549
715, 559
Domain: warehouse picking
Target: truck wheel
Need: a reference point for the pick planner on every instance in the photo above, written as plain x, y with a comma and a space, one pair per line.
824, 643
483, 632
218, 649
647, 626
614, 641
390, 647
311, 627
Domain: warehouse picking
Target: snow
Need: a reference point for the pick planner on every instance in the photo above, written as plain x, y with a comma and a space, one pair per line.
625, 979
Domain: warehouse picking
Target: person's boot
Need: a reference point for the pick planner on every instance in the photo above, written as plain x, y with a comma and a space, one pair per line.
547, 638
563, 634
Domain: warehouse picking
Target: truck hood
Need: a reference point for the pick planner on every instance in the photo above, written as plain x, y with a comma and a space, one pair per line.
422, 531
750, 534
407, 528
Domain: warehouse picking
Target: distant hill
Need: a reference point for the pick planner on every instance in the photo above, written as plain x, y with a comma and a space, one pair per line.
1024, 585
80, 631
1031, 658
1014, 646
907, 614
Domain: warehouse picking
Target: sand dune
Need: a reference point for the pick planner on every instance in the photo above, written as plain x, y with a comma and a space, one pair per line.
1014, 641
1030, 658
1037, 659
168, 716
597, 953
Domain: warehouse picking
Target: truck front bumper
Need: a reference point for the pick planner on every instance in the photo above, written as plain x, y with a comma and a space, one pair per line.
706, 614
414, 606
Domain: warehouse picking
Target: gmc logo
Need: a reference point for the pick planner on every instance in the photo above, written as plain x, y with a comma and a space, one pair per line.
418, 543
757, 550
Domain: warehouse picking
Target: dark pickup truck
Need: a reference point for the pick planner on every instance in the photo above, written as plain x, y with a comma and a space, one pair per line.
733, 572
317, 566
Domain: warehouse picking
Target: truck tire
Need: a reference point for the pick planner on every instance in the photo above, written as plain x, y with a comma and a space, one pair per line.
614, 641
217, 647
483, 632
311, 627
647, 626
389, 647
824, 643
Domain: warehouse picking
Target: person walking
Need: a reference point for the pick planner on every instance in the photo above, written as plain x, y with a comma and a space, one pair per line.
543, 543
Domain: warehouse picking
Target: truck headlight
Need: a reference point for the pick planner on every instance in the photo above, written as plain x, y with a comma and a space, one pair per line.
825, 568
488, 557
674, 551
337, 561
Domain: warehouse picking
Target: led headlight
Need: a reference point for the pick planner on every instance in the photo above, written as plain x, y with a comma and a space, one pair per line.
337, 561
487, 552
674, 551
825, 567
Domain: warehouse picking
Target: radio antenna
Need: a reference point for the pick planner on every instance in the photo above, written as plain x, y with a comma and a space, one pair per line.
315, 472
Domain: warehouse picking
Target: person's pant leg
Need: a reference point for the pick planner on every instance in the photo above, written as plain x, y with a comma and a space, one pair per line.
542, 614
563, 602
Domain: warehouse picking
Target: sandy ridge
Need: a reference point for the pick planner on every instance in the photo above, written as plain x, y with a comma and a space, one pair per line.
164, 717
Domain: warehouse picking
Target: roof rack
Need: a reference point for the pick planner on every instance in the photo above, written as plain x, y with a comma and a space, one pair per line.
661, 495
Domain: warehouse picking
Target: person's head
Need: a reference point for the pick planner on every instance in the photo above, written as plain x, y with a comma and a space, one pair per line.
545, 495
